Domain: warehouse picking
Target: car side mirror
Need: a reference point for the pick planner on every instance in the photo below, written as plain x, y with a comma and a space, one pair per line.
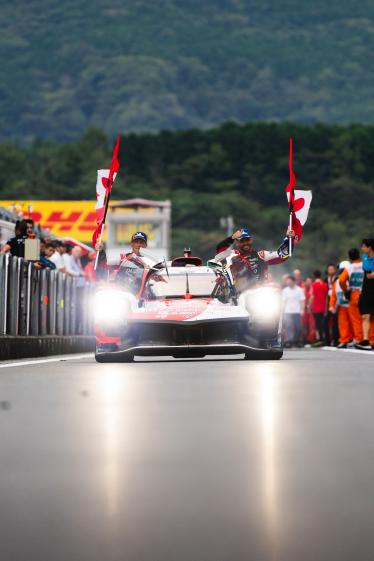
212, 264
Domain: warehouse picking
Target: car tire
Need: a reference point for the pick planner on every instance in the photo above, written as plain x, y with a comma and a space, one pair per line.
101, 358
264, 355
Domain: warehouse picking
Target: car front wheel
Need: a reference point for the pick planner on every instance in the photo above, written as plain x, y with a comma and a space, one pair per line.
264, 355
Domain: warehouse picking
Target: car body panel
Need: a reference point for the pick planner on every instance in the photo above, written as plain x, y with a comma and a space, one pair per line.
187, 310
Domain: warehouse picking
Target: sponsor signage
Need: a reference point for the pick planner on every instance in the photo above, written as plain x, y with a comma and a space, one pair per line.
73, 219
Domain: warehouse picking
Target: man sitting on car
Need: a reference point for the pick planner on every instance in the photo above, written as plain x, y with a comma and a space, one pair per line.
249, 266
132, 264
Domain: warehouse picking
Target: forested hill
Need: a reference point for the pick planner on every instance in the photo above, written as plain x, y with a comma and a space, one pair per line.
231, 170
132, 65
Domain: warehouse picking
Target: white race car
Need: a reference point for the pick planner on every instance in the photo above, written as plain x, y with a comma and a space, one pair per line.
186, 311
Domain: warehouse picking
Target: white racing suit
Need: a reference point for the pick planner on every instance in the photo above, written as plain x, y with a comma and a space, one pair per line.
250, 269
130, 272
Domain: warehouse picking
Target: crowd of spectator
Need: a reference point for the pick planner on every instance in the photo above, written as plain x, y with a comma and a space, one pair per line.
54, 254
335, 308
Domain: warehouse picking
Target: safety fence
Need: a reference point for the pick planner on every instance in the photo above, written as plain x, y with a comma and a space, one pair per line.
42, 302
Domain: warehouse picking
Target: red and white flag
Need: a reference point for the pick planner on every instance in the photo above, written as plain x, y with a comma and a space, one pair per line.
101, 192
298, 202
104, 184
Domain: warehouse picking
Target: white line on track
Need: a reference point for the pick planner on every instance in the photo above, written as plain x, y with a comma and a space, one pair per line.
45, 360
368, 353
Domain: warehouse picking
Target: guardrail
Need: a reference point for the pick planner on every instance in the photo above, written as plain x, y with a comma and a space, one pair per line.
42, 302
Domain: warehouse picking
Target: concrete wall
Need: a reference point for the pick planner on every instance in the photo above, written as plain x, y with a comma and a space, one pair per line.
27, 347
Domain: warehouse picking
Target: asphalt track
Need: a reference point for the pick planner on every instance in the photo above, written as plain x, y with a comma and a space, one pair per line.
213, 460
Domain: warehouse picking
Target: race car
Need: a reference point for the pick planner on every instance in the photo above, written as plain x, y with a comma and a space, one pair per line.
184, 310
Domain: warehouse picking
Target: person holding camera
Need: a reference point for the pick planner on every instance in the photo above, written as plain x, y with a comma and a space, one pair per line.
16, 246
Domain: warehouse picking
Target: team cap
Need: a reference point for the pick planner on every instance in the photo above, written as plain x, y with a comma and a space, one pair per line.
245, 233
139, 236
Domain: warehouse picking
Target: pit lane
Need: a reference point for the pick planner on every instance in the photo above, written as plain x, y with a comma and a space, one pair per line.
215, 460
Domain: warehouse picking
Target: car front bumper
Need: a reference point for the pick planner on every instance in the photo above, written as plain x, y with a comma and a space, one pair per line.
190, 339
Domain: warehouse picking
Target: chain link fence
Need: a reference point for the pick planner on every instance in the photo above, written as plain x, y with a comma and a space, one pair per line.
42, 302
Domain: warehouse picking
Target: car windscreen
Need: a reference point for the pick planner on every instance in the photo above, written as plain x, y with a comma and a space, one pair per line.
162, 285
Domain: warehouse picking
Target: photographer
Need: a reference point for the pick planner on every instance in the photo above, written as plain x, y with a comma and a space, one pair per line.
16, 246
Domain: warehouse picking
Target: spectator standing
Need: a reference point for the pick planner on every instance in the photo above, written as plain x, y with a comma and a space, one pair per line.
58, 256
309, 330
331, 318
351, 283
331, 276
293, 299
298, 278
49, 249
300, 282
366, 300
16, 245
74, 265
46, 252
338, 305
284, 280
68, 261
89, 269
318, 305
30, 227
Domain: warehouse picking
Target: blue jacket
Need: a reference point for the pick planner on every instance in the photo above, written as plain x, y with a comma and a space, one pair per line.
368, 264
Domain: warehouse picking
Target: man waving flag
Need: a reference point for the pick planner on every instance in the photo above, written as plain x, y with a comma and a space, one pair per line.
104, 184
298, 203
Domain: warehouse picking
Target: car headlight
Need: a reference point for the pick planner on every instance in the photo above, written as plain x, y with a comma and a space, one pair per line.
263, 303
112, 306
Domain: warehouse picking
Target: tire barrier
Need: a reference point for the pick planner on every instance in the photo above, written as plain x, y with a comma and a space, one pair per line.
38, 303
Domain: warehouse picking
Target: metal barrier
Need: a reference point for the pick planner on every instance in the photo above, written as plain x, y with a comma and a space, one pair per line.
41, 302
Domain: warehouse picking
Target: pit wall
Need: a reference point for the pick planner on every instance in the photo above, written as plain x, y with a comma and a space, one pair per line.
31, 346
42, 312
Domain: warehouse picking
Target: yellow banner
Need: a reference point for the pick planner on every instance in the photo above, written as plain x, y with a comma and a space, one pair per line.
74, 219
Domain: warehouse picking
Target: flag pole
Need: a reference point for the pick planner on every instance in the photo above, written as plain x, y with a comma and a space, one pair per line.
114, 167
292, 196
100, 240
103, 224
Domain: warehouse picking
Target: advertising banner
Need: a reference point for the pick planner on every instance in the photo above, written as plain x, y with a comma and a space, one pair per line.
75, 219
